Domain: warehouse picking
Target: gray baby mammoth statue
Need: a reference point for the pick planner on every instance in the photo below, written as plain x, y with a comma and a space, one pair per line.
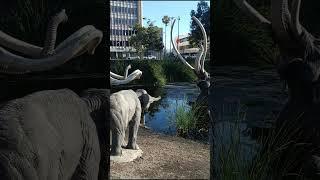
126, 108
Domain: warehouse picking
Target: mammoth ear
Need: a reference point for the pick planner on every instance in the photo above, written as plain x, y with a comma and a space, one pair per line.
144, 100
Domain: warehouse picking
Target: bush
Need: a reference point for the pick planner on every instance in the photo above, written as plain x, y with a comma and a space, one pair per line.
155, 73
189, 122
184, 118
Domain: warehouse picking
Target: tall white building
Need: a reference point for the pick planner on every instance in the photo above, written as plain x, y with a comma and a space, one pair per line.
124, 15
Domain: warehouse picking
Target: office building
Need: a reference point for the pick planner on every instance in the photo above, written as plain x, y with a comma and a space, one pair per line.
124, 15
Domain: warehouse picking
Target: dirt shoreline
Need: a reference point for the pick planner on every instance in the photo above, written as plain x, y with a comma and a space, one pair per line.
165, 157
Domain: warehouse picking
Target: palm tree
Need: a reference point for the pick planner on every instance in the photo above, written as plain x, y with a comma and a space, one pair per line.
165, 20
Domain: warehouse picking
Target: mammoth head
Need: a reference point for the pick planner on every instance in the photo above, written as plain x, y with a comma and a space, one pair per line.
146, 99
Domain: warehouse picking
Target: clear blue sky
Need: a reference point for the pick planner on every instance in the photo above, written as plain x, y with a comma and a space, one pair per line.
155, 10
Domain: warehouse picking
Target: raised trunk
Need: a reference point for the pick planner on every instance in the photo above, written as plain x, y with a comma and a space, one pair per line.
51, 34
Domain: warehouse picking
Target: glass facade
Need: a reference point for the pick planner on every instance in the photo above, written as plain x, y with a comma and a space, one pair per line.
124, 15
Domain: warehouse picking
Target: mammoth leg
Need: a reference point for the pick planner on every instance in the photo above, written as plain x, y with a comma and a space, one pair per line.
133, 132
88, 167
142, 121
117, 129
117, 139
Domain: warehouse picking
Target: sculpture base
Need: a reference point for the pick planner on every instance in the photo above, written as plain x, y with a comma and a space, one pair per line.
128, 155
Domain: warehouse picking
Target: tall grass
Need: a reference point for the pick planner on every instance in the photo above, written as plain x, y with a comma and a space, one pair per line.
271, 156
185, 118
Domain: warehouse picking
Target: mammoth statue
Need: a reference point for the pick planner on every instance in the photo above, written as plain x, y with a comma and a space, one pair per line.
48, 57
203, 82
116, 79
299, 66
55, 134
126, 108
203, 76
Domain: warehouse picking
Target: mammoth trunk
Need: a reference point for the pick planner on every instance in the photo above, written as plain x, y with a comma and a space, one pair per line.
51, 35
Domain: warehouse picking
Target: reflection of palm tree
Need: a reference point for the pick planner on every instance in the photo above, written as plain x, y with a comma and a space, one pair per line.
165, 20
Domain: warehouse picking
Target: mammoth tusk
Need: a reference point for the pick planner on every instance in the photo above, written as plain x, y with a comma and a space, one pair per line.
198, 59
134, 75
252, 12
176, 50
116, 76
119, 77
204, 48
19, 46
296, 16
127, 71
51, 34
155, 99
72, 48
298, 29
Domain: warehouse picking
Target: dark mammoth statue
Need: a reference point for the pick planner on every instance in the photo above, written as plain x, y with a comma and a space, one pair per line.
54, 134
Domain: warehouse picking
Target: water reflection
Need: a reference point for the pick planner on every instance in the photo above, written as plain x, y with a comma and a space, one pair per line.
159, 119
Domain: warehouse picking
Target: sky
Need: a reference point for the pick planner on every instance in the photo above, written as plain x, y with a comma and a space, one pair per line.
155, 10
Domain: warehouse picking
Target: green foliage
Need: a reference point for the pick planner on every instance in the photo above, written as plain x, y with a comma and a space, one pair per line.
203, 14
166, 20
154, 38
185, 118
27, 20
146, 39
175, 71
156, 73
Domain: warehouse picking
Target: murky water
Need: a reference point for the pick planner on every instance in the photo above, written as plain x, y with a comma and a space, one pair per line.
160, 118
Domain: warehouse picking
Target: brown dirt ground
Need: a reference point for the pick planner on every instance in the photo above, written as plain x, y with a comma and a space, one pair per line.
165, 157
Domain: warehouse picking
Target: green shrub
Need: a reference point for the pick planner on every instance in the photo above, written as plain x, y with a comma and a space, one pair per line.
155, 73
175, 71
185, 118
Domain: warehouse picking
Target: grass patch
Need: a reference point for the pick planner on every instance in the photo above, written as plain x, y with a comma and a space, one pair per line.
185, 118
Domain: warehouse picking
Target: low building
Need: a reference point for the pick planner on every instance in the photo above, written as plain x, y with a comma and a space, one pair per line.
186, 49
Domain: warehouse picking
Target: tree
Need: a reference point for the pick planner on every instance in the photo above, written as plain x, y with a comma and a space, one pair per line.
203, 14
165, 21
148, 38
138, 40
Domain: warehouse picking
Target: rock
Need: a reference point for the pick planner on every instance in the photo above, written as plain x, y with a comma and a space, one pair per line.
128, 155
